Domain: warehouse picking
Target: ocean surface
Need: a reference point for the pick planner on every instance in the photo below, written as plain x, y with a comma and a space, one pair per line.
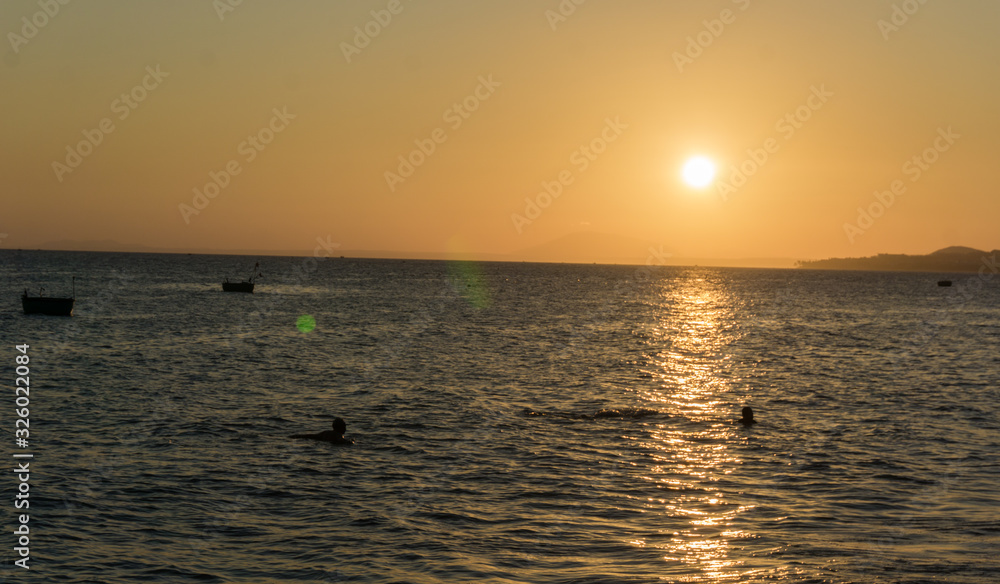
513, 423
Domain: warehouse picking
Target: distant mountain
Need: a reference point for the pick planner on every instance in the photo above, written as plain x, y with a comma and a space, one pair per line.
109, 245
95, 245
956, 249
585, 247
949, 259
590, 247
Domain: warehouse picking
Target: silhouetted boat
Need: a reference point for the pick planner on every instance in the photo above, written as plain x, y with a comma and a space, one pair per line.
246, 285
944, 282
50, 305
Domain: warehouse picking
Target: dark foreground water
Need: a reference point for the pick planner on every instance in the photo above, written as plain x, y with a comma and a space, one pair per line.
513, 423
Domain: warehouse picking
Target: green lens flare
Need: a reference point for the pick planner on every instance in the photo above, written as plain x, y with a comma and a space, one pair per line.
305, 323
468, 280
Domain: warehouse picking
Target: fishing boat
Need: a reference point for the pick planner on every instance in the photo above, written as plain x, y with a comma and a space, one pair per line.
50, 305
244, 286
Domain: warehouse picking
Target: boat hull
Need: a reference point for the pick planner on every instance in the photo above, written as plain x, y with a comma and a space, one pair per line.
50, 306
238, 287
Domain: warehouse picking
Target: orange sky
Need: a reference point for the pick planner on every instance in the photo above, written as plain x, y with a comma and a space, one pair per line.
299, 118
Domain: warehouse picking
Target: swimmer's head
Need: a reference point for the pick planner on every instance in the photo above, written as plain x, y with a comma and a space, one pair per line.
339, 425
747, 414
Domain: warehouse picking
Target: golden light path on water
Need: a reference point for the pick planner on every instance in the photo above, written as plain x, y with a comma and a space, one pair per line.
693, 448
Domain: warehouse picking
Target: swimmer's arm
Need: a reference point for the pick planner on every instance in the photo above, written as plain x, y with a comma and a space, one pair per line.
331, 436
327, 436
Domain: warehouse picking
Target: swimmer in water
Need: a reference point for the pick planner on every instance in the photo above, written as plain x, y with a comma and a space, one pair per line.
748, 417
335, 436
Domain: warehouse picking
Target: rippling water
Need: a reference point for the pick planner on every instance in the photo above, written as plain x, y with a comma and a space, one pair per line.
513, 423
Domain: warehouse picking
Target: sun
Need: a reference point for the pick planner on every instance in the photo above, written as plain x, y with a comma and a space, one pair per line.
699, 172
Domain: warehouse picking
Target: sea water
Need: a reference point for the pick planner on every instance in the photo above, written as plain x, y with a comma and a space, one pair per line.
513, 423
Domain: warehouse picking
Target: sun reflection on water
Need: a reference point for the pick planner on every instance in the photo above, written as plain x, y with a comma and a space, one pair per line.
693, 450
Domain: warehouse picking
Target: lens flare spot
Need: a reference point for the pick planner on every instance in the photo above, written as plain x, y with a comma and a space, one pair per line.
469, 282
305, 323
466, 275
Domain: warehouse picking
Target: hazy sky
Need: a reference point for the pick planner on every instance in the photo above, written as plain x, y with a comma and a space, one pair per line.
301, 117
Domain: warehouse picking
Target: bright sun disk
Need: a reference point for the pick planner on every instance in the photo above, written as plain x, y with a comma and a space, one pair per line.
699, 172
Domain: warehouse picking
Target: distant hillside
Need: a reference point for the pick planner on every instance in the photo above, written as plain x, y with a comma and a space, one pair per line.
949, 259
957, 249
581, 247
111, 246
589, 247
107, 245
